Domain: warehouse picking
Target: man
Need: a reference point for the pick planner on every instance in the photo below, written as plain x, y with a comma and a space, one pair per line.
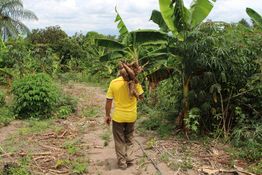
124, 117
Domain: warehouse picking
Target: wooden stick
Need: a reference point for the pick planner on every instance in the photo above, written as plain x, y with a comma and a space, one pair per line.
149, 158
43, 153
63, 134
176, 173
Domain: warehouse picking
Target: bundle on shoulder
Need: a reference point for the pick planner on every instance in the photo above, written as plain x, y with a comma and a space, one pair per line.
129, 72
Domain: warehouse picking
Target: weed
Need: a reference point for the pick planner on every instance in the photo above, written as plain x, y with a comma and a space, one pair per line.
64, 112
61, 162
151, 143
14, 169
79, 168
71, 146
164, 157
106, 137
5, 116
142, 162
256, 168
91, 112
36, 126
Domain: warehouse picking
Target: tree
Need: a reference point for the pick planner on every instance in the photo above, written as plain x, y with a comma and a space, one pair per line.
139, 45
50, 35
181, 21
244, 22
11, 14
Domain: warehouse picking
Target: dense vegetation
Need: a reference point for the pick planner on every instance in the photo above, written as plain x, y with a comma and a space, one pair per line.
201, 78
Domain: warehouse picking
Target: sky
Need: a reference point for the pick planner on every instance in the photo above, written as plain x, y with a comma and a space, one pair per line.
98, 15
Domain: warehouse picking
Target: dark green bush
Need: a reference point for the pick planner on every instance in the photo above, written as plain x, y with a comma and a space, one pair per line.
35, 96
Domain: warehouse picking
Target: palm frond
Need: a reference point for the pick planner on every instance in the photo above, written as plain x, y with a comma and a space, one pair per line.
157, 18
121, 25
200, 9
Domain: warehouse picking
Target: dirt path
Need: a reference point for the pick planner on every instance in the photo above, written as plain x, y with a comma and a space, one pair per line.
102, 158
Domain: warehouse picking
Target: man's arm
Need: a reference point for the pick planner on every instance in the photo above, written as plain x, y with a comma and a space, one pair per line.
108, 107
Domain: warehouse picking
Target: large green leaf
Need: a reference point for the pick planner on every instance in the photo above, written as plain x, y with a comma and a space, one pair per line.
112, 55
143, 37
167, 11
111, 44
157, 18
121, 25
181, 16
200, 9
256, 17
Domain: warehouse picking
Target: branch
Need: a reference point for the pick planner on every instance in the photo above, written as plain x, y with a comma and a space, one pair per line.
149, 158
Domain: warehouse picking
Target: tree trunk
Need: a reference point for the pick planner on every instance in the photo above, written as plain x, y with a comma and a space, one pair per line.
180, 119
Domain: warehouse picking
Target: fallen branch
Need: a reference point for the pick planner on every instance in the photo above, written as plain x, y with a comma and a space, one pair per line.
38, 167
50, 147
176, 173
43, 153
63, 134
149, 158
58, 172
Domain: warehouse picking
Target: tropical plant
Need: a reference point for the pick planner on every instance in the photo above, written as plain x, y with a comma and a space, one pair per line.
143, 46
181, 21
11, 14
255, 16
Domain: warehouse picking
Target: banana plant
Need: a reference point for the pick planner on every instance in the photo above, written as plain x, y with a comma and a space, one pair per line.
255, 16
180, 21
140, 45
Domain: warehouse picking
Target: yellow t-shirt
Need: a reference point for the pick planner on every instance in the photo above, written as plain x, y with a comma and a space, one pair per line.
125, 108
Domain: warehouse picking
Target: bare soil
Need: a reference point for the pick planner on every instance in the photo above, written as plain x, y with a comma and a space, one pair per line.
87, 140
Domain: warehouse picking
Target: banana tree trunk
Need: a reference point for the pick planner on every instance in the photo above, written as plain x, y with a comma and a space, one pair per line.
184, 113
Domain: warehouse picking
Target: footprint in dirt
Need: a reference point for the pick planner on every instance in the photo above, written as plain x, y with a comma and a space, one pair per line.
108, 164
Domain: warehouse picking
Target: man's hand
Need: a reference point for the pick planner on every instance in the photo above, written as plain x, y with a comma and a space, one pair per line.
108, 119
108, 111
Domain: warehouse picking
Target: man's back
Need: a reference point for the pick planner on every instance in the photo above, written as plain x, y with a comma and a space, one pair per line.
125, 107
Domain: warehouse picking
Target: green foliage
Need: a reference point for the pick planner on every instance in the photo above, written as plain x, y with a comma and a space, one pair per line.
156, 121
91, 112
79, 168
247, 135
192, 121
256, 17
106, 136
17, 170
179, 19
71, 146
34, 96
2, 99
63, 112
65, 105
6, 116
256, 168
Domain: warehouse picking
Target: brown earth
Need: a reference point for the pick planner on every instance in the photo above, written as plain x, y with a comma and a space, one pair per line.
88, 140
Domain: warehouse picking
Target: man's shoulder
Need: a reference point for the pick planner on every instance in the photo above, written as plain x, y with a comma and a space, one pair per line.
117, 80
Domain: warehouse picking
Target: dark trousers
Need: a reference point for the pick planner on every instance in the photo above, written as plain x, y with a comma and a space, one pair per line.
124, 138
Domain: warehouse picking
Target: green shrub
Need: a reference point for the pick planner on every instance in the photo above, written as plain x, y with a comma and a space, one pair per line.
35, 96
63, 112
66, 100
2, 99
5, 116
